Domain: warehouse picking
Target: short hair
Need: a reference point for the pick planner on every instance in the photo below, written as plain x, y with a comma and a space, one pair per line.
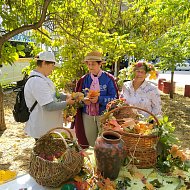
98, 62
39, 62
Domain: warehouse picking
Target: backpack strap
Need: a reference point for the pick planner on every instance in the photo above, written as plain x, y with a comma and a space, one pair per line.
33, 106
35, 103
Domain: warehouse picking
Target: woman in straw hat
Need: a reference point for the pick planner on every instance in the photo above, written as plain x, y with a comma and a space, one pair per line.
87, 120
139, 92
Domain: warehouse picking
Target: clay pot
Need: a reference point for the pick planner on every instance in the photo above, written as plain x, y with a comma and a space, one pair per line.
109, 154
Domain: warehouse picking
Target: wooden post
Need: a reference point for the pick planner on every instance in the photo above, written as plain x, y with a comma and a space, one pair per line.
2, 116
116, 69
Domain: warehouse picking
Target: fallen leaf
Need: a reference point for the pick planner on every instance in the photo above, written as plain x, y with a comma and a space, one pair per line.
149, 186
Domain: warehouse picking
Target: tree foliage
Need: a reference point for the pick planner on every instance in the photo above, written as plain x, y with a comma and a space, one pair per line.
18, 16
143, 29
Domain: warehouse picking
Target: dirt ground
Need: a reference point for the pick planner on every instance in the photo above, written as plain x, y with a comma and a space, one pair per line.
15, 146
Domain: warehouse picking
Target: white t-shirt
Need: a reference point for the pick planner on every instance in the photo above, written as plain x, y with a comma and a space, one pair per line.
40, 120
146, 96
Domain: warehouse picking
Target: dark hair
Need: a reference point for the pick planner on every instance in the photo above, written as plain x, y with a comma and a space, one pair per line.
39, 62
98, 62
50, 62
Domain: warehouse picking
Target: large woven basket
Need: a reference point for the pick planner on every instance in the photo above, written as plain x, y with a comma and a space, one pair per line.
141, 148
50, 173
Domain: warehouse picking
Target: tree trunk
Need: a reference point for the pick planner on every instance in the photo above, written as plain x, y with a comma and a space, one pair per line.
2, 116
172, 84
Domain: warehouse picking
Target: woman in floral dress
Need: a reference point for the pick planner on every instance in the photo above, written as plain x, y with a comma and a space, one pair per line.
141, 93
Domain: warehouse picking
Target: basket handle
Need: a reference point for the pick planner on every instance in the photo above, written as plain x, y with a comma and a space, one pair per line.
56, 132
134, 107
62, 128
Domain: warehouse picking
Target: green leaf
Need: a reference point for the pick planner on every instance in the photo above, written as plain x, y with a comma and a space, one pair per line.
156, 183
172, 139
187, 163
20, 47
165, 118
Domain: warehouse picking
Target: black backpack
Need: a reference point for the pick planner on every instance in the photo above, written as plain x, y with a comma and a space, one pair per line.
21, 112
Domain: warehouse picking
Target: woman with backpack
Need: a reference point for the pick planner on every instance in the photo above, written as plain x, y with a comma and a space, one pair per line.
47, 113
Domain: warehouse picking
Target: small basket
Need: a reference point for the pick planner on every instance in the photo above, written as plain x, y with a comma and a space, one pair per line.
141, 148
117, 108
122, 112
53, 174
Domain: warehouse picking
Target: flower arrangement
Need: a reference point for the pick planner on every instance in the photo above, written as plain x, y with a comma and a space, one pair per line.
149, 68
79, 97
89, 93
71, 110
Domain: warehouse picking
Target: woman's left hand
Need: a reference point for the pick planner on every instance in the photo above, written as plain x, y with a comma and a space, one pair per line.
94, 99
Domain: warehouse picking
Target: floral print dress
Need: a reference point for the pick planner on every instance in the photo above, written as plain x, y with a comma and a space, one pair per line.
146, 96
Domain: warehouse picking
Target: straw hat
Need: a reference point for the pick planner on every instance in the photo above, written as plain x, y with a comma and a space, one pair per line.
94, 56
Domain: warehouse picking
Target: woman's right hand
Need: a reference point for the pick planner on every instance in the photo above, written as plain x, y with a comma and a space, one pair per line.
70, 101
87, 101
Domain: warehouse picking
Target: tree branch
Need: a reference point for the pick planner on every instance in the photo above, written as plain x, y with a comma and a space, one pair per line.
7, 36
82, 27
95, 8
71, 35
44, 33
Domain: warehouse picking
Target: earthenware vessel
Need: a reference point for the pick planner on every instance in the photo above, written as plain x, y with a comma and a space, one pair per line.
109, 154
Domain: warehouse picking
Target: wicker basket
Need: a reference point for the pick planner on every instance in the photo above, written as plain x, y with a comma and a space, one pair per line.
53, 174
141, 148
122, 112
